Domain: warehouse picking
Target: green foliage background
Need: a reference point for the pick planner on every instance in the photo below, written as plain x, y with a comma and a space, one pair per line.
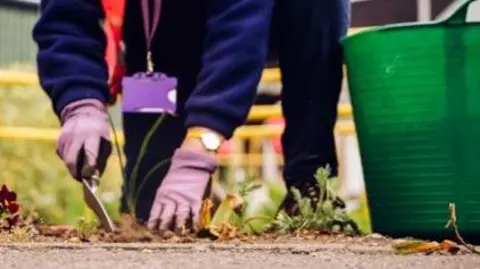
33, 169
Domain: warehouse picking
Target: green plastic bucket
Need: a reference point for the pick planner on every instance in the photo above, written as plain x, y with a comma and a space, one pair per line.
415, 92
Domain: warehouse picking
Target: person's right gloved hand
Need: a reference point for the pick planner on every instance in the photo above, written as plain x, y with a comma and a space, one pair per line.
84, 142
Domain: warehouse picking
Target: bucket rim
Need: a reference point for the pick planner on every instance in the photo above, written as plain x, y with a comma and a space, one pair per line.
390, 27
454, 15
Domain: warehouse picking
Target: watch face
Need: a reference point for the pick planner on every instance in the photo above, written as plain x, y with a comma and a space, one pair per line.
210, 141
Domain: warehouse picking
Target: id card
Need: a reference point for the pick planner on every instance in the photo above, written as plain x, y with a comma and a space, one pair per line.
149, 93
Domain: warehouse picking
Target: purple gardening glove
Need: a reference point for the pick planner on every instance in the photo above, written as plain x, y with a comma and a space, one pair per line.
84, 142
179, 197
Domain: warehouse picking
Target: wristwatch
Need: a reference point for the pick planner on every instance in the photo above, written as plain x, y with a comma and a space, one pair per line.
210, 140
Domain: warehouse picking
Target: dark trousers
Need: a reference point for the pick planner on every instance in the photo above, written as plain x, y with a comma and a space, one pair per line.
306, 34
305, 40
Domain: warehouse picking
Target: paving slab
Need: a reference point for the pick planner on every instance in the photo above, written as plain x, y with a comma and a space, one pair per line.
229, 256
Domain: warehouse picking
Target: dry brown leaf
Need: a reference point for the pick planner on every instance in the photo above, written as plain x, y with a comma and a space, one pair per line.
224, 231
415, 246
205, 215
450, 247
218, 226
56, 230
421, 246
234, 201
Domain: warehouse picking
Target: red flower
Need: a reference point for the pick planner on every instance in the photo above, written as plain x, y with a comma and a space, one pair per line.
6, 195
13, 208
13, 221
9, 208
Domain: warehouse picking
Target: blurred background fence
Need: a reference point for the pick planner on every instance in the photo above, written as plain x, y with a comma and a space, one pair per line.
31, 166
16, 21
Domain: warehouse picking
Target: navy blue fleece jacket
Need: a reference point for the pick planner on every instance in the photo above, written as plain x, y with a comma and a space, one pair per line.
231, 55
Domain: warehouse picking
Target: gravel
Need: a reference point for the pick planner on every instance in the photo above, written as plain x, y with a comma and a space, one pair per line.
204, 256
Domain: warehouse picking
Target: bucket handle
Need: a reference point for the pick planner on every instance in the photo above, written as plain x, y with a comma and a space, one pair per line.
456, 13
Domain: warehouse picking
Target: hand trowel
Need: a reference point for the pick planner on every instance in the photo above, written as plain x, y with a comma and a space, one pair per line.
90, 186
91, 199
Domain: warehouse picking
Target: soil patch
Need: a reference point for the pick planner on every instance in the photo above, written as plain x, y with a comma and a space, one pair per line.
130, 231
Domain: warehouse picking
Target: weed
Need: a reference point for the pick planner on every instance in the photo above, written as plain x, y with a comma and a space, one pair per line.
86, 228
324, 217
131, 184
132, 195
16, 234
20, 234
229, 218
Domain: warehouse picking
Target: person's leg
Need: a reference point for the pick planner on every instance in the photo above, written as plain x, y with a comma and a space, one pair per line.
308, 34
177, 52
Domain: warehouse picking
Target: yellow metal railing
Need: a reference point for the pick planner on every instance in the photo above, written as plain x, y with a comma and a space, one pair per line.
17, 78
239, 156
244, 132
259, 112
263, 112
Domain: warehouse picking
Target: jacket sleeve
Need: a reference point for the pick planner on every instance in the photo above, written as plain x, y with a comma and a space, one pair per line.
71, 50
234, 55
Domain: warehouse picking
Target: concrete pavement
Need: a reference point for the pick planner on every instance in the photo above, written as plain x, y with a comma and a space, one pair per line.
229, 256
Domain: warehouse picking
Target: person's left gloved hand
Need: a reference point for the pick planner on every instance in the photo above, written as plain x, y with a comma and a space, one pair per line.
179, 197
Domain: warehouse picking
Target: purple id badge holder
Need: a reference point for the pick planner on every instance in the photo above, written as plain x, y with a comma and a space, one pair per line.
149, 92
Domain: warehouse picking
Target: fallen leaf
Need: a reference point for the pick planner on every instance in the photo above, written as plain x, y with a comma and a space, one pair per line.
7, 195
56, 230
415, 246
13, 207
219, 225
421, 246
205, 215
224, 231
450, 247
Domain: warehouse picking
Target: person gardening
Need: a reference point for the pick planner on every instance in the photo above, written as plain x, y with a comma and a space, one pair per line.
216, 56
216, 51
305, 44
